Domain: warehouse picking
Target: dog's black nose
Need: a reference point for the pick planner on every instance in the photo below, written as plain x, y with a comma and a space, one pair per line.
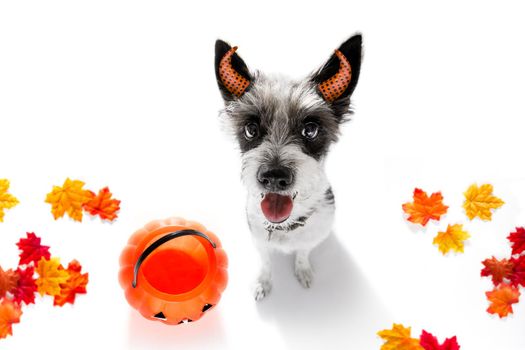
277, 178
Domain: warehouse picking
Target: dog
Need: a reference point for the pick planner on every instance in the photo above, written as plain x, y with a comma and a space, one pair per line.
284, 129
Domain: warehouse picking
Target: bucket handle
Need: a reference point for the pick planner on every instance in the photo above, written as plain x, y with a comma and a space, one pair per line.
161, 241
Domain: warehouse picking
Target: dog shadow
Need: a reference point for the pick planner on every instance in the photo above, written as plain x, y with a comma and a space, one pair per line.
340, 309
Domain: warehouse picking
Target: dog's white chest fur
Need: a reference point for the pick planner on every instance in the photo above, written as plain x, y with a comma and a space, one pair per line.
309, 224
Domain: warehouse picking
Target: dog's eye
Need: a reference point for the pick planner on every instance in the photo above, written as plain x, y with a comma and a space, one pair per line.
251, 130
310, 130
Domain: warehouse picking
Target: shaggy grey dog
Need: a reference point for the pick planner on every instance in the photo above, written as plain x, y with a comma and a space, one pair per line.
284, 129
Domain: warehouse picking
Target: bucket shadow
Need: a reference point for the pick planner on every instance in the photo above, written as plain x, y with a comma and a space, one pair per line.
146, 334
339, 311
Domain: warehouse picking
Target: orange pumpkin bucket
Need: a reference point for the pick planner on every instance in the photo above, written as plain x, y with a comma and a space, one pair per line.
173, 270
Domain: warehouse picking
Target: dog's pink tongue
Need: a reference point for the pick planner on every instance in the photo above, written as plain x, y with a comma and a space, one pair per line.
276, 208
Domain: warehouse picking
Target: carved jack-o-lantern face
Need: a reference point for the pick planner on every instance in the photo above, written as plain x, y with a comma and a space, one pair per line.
173, 270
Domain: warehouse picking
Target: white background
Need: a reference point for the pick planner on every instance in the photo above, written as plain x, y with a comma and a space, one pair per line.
123, 93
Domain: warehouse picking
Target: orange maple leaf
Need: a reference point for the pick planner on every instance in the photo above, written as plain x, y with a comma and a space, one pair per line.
103, 205
68, 199
9, 313
75, 284
425, 208
398, 338
502, 298
8, 281
50, 275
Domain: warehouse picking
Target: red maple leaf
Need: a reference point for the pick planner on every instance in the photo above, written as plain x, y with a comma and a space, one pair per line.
518, 271
31, 249
26, 287
518, 240
498, 269
430, 342
76, 284
103, 205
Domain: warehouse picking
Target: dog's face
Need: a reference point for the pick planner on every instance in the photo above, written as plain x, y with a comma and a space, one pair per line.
284, 128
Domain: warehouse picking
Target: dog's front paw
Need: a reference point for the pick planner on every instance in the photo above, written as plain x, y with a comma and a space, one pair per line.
304, 276
262, 289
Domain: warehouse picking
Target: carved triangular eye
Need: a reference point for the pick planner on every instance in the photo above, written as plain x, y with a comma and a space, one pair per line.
160, 316
206, 307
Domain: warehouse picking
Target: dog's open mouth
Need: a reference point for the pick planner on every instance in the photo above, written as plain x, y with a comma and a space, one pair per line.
276, 208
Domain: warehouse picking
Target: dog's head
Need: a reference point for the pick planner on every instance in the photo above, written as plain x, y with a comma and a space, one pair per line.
285, 127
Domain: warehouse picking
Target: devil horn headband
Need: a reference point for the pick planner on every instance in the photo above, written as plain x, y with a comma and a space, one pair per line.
334, 87
231, 79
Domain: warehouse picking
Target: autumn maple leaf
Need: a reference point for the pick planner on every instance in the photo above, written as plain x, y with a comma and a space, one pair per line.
517, 239
103, 205
9, 313
7, 201
50, 275
502, 298
498, 269
68, 199
452, 239
425, 208
479, 201
430, 342
31, 249
26, 286
75, 284
518, 271
8, 281
398, 338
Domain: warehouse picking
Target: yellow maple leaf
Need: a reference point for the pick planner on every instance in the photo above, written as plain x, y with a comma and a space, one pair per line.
398, 338
50, 275
68, 199
452, 239
7, 201
479, 201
